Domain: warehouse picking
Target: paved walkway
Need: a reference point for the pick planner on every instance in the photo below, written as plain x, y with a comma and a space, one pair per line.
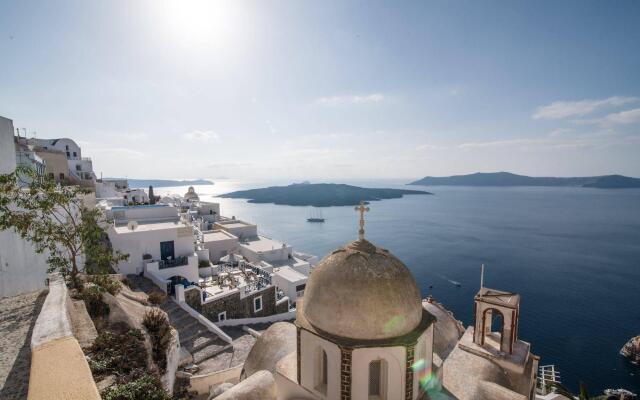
18, 315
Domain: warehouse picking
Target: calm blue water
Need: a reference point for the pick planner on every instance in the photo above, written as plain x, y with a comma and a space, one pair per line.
572, 253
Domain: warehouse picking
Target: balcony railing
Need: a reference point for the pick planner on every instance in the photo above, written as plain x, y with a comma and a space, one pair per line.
176, 262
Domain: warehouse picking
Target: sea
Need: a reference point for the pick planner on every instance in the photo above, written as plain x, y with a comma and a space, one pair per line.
572, 253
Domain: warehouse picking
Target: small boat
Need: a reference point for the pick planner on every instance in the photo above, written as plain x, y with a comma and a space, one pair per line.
316, 216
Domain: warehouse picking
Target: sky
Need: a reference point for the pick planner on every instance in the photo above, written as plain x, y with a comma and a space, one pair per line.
321, 90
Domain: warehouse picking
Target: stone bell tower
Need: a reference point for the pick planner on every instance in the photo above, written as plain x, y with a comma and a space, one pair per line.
491, 304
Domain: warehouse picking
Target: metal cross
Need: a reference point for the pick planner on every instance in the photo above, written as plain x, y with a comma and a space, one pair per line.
362, 209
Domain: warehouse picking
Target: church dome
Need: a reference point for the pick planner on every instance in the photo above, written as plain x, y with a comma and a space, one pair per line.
362, 292
191, 194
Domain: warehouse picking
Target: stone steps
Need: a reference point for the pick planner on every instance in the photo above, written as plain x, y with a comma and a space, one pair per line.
203, 340
210, 352
191, 334
188, 329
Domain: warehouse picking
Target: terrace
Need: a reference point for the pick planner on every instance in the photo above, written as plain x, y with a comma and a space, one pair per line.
244, 277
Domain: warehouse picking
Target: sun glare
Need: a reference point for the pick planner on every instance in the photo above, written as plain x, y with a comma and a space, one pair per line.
199, 21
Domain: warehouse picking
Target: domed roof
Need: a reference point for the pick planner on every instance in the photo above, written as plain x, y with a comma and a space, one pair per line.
364, 292
274, 343
191, 194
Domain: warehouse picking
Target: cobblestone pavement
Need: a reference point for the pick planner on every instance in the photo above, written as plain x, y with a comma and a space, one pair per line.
18, 315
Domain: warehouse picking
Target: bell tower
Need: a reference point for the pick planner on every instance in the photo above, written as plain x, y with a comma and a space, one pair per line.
491, 306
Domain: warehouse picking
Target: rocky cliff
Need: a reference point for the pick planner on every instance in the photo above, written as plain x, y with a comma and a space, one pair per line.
631, 349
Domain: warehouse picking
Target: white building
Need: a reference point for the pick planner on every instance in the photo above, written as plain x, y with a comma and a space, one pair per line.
241, 229
262, 248
21, 268
291, 282
219, 243
80, 168
157, 241
135, 196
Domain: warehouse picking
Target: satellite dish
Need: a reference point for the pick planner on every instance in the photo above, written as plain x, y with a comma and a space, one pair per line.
132, 225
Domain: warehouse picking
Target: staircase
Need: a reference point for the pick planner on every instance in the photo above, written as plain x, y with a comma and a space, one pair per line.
210, 353
195, 337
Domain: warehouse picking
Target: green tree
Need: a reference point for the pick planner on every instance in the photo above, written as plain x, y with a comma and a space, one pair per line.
54, 219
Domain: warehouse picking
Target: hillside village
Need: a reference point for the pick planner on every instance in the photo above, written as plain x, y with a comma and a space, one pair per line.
202, 305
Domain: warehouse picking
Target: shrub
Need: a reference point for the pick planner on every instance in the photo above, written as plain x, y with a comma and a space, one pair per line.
92, 297
146, 387
204, 264
156, 297
118, 353
106, 282
159, 329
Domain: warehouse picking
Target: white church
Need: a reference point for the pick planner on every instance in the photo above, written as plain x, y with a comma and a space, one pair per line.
363, 332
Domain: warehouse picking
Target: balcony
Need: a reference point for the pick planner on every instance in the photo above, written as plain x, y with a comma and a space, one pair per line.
176, 262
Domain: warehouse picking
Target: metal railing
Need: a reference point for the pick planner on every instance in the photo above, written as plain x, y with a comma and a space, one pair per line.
176, 262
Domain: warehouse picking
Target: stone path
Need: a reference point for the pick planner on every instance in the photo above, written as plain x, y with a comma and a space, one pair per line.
210, 353
18, 315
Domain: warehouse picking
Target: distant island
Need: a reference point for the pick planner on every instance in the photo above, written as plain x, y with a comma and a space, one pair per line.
318, 194
509, 179
145, 183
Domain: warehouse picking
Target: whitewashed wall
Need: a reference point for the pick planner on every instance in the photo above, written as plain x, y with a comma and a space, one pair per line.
21, 268
310, 346
395, 357
137, 243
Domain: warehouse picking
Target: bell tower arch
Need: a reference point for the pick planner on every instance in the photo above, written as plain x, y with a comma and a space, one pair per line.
491, 304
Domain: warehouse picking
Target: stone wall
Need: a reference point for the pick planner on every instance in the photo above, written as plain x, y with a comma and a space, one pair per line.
192, 297
282, 307
235, 307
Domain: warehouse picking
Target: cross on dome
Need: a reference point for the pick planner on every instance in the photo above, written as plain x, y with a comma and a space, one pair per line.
361, 209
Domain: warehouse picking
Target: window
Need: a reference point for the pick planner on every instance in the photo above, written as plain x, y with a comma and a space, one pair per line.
257, 304
68, 155
322, 373
222, 316
78, 167
66, 147
377, 379
75, 154
61, 176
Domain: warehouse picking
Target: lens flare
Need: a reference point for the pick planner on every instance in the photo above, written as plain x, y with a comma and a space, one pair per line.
394, 323
428, 380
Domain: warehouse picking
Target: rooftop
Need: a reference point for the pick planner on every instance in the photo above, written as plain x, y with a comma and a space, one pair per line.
151, 226
289, 274
120, 208
263, 244
499, 297
235, 224
217, 235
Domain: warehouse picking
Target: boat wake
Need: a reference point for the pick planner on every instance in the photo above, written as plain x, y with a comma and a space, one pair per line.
451, 281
